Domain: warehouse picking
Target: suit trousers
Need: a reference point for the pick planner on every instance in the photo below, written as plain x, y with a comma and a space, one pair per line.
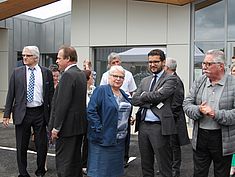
209, 148
176, 150
34, 118
151, 143
68, 156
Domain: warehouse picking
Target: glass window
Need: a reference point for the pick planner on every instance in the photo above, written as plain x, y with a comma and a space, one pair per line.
209, 21
231, 20
134, 59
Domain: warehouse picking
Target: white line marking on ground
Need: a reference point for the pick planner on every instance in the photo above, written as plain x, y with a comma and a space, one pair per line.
131, 159
31, 152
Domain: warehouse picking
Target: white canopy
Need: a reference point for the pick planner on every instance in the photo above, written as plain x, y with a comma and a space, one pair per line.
137, 54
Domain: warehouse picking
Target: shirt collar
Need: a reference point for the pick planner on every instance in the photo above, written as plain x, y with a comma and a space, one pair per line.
221, 82
36, 67
159, 74
66, 69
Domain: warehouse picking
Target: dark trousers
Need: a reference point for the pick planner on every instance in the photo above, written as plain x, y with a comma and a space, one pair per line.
151, 143
84, 151
176, 152
127, 143
68, 156
34, 118
209, 148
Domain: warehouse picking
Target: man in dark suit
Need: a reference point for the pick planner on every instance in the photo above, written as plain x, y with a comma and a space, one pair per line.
181, 138
68, 121
29, 98
156, 122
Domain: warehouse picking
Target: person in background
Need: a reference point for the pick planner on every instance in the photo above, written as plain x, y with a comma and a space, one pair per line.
108, 113
29, 99
211, 105
232, 170
90, 89
128, 86
88, 66
56, 74
181, 138
68, 121
154, 119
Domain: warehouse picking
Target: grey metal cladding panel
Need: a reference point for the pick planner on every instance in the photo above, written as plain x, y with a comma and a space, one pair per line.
17, 35
43, 38
3, 24
59, 30
9, 23
38, 29
50, 39
25, 33
67, 30
32, 34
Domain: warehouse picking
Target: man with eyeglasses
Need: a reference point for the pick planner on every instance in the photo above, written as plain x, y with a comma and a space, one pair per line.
211, 106
29, 98
154, 120
128, 86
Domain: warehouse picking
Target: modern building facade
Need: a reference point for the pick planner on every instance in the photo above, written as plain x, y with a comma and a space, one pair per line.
99, 27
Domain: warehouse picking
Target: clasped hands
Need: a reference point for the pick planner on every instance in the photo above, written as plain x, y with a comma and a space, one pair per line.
207, 110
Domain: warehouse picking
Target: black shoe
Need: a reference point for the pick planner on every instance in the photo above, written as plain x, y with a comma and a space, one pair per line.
23, 176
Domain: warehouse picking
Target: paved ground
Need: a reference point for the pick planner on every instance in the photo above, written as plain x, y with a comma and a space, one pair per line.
8, 167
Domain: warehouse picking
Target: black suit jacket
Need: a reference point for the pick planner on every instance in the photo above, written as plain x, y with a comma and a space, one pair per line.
69, 104
178, 112
16, 97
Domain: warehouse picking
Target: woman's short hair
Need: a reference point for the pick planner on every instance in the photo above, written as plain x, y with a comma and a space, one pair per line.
116, 68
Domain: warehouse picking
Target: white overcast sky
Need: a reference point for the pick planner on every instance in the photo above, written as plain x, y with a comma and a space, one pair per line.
51, 10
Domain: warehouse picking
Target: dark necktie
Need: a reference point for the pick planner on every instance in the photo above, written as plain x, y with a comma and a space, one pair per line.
30, 91
153, 83
150, 89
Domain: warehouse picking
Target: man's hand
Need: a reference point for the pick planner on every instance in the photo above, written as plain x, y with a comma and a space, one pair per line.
207, 110
6, 121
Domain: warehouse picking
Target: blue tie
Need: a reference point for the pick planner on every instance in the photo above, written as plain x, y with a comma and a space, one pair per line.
30, 91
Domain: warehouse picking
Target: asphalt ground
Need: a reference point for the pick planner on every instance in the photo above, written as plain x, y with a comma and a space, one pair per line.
8, 165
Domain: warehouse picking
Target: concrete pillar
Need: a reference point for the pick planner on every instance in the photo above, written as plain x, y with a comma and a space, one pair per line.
4, 68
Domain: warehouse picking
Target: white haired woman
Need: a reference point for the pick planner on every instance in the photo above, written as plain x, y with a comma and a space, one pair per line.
108, 112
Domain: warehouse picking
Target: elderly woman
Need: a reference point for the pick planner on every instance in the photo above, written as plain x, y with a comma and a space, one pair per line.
108, 112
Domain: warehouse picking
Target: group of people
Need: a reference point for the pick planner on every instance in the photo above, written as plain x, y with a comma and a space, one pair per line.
91, 125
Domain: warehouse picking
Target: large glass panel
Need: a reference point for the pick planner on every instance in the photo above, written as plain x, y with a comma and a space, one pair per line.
209, 21
134, 59
231, 20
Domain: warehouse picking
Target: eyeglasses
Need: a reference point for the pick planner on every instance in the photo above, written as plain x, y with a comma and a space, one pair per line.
116, 62
208, 64
154, 62
27, 55
118, 77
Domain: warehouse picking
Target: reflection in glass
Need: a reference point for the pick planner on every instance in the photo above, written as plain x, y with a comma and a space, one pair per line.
209, 21
231, 20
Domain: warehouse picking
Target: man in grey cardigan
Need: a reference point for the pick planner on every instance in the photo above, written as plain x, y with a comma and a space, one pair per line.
211, 104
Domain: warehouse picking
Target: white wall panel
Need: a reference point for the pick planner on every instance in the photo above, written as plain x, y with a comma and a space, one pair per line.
178, 24
146, 23
3, 65
107, 22
182, 55
80, 23
83, 53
